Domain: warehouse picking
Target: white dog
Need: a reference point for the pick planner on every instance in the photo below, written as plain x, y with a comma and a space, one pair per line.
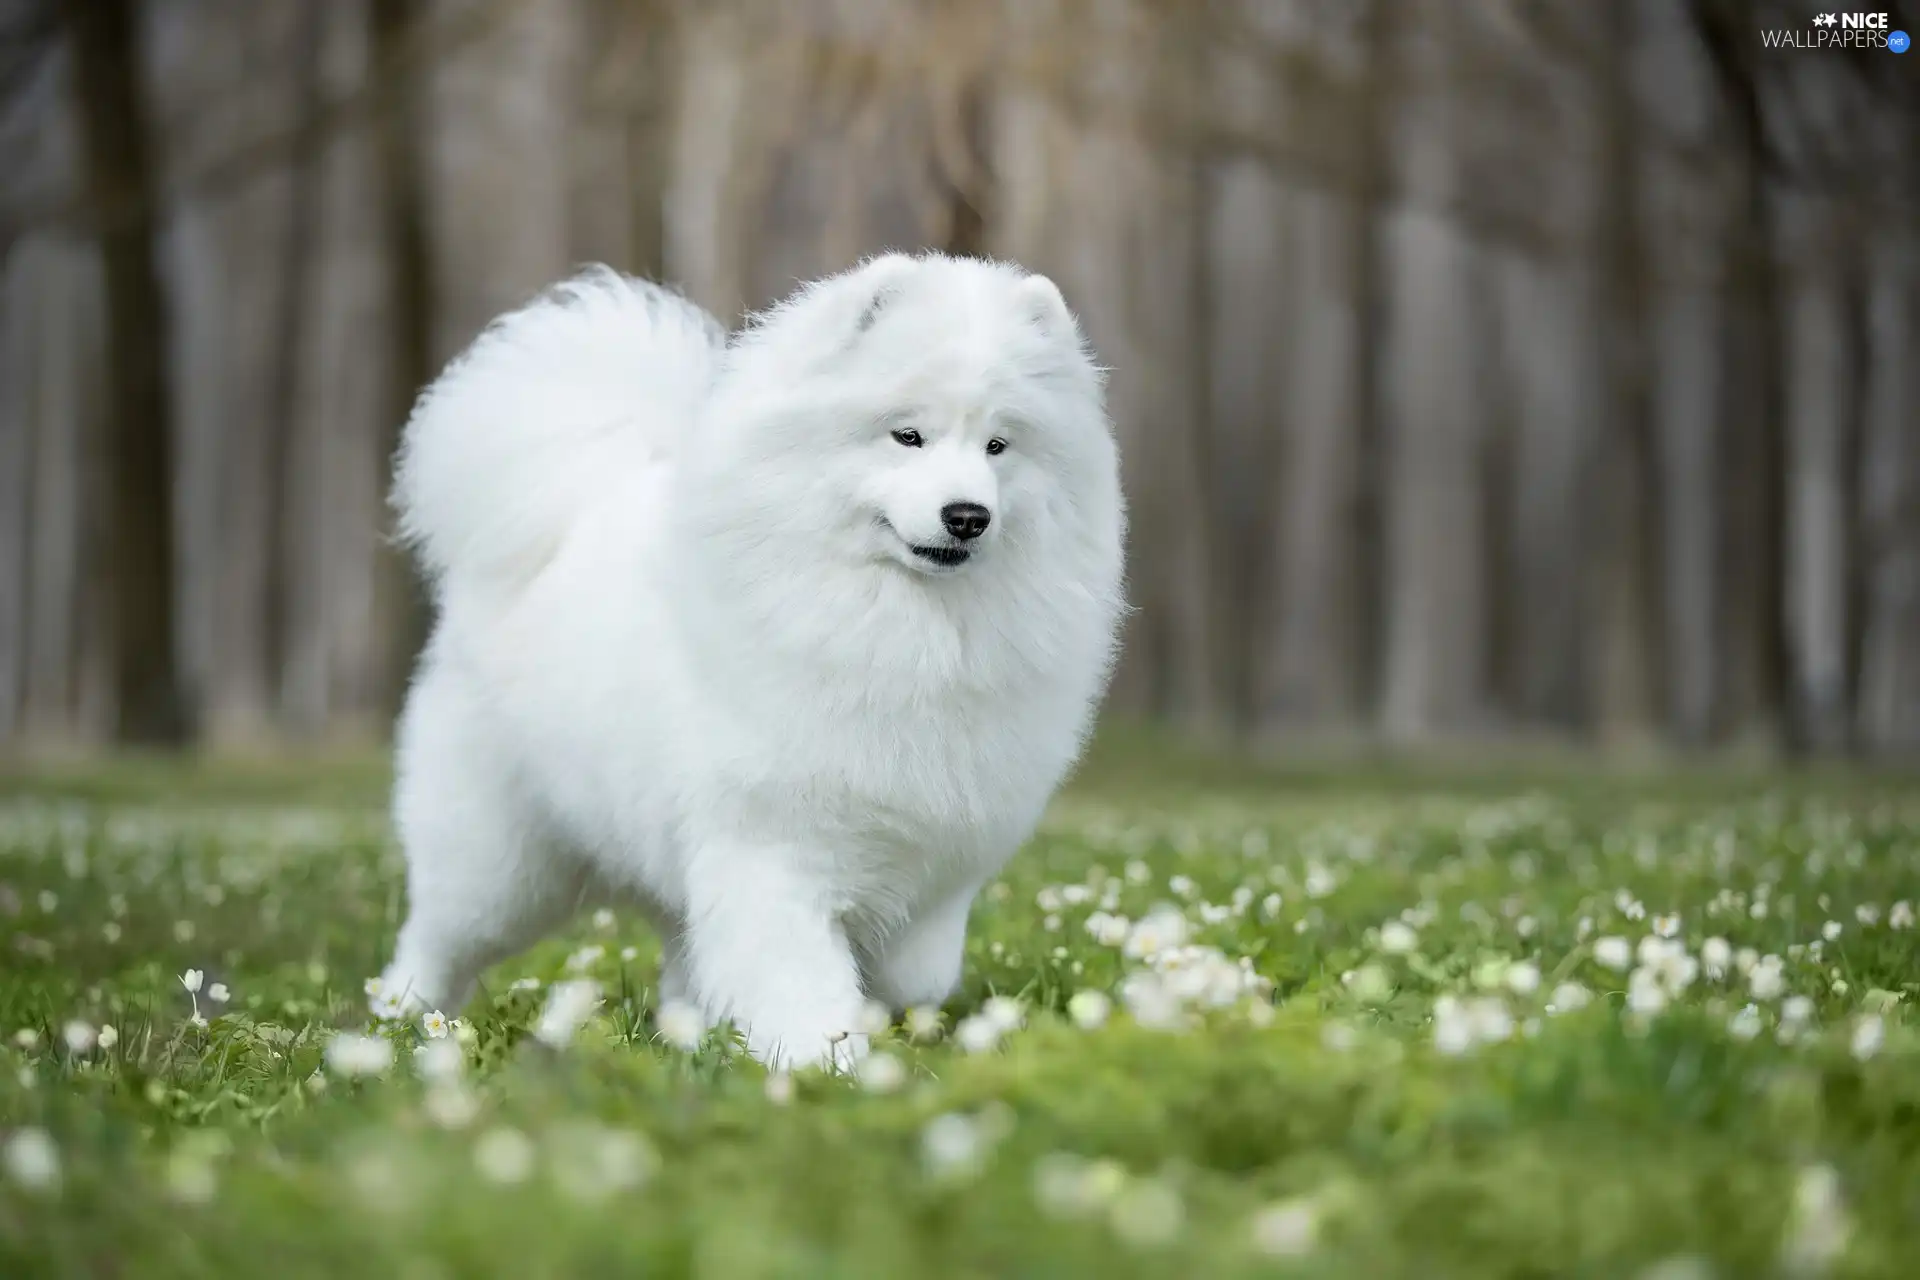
785, 640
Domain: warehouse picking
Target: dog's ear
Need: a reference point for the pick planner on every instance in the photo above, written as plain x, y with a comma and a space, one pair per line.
1046, 307
881, 281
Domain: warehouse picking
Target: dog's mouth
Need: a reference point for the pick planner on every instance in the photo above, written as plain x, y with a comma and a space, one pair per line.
945, 557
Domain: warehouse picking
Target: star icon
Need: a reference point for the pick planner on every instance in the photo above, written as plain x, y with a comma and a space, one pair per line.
1825, 20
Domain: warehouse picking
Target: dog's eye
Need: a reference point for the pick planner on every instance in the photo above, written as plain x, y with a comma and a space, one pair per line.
908, 437
996, 447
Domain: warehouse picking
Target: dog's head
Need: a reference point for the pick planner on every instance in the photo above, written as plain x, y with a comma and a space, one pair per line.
927, 415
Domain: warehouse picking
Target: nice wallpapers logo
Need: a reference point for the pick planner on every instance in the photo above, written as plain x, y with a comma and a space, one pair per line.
1840, 31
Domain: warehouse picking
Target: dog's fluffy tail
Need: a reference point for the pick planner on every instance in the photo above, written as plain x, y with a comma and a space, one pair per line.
552, 407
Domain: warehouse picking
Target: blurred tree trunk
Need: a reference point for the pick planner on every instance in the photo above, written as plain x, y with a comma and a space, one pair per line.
1889, 693
1626, 510
1754, 534
139, 450
400, 608
289, 523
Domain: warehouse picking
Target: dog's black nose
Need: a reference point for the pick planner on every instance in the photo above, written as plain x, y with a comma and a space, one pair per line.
966, 520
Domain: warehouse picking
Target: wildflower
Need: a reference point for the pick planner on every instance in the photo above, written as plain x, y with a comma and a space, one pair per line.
1108, 930
1830, 930
568, 1007
218, 993
349, 1054
977, 1034
26, 1038
1867, 914
451, 1105
191, 980
585, 958
1089, 1009
1181, 886
32, 1160
1148, 1213
1645, 993
1817, 1228
504, 1156
439, 1060
1745, 1025
1523, 979
1767, 979
106, 1037
1614, 953
1868, 1035
1371, 985
874, 1019
1397, 939
1287, 1229
1796, 1010
80, 1037
881, 1073
681, 1025
1161, 929
1567, 997
1667, 926
435, 1025
1004, 1012
1715, 957
591, 1163
603, 919
952, 1146
1900, 916
923, 1022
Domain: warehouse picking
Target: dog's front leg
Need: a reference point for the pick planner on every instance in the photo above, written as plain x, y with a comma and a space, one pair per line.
767, 953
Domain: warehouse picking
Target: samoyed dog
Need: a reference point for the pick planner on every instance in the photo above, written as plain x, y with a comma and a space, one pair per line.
784, 639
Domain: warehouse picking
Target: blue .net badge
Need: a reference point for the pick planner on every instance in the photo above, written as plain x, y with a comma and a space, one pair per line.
1898, 41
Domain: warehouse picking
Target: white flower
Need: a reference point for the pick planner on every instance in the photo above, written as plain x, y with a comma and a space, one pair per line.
1667, 926
1147, 1213
80, 1037
952, 1146
435, 1025
1796, 1010
1108, 930
603, 919
1288, 1229
349, 1054
1745, 1025
1182, 886
1830, 930
1371, 985
32, 1160
107, 1037
1646, 994
1004, 1012
1867, 913
451, 1105
504, 1156
26, 1038
1817, 1229
1767, 979
569, 1005
1161, 929
585, 958
681, 1025
1868, 1035
977, 1034
1614, 953
1900, 916
192, 979
1716, 955
439, 1060
218, 993
1397, 939
779, 1088
881, 1073
923, 1022
1523, 979
1089, 1009
1567, 997
874, 1019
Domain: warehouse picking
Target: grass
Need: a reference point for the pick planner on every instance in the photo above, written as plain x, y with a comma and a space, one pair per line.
1392, 1097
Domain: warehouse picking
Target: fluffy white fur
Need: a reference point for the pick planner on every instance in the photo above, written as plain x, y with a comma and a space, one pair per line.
688, 656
